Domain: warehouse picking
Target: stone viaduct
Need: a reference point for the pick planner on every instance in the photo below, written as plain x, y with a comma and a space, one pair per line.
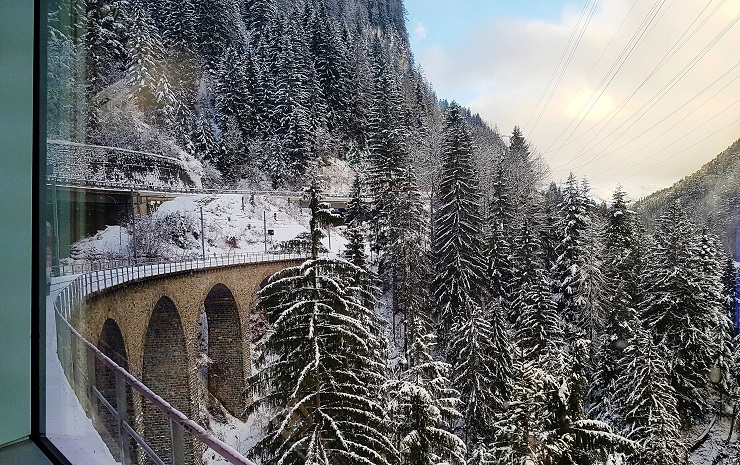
187, 336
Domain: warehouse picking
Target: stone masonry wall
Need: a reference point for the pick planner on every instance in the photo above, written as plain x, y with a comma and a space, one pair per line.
131, 308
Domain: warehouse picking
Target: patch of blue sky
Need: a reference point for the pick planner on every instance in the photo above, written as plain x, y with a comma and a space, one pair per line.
444, 22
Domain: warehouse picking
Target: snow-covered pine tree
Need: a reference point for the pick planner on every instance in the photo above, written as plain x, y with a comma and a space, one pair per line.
622, 266
355, 216
681, 311
356, 207
179, 24
147, 71
203, 139
538, 327
259, 16
548, 229
222, 22
293, 120
331, 63
106, 32
591, 295
647, 405
423, 409
498, 241
321, 367
388, 155
404, 259
236, 79
715, 301
566, 272
482, 371
518, 145
519, 428
457, 250
729, 282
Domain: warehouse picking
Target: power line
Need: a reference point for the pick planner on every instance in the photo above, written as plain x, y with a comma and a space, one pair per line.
673, 143
665, 118
562, 55
603, 52
567, 63
623, 57
660, 94
687, 148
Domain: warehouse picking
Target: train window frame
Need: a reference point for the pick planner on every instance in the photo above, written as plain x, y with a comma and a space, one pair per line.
21, 407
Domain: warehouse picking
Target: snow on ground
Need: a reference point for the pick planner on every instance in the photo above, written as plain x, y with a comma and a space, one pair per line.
716, 449
67, 425
232, 224
336, 176
240, 435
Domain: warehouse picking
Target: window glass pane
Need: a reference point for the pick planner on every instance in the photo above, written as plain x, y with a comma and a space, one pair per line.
133, 369
16, 140
264, 230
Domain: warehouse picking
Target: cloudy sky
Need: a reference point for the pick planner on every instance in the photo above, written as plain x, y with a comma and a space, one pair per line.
650, 93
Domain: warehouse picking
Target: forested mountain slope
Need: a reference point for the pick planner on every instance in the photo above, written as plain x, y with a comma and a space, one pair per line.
255, 89
711, 196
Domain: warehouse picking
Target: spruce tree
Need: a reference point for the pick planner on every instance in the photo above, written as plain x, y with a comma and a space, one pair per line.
423, 409
388, 155
714, 306
321, 366
332, 66
147, 77
293, 122
572, 225
498, 242
681, 311
356, 208
457, 242
259, 16
519, 428
105, 27
179, 21
622, 266
538, 327
482, 370
517, 144
404, 260
647, 404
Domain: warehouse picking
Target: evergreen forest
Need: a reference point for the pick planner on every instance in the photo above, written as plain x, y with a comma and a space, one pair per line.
479, 314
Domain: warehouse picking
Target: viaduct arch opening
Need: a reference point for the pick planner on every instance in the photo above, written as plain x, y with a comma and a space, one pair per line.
111, 343
165, 371
226, 377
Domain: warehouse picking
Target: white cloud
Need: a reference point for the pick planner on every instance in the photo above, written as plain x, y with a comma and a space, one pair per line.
420, 31
500, 69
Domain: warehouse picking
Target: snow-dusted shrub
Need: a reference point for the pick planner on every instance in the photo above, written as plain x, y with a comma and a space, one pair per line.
163, 237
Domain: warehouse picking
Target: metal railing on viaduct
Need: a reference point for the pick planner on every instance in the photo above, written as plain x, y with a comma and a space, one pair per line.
81, 371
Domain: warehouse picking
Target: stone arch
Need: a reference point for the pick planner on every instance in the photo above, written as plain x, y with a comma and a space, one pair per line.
225, 373
165, 371
112, 344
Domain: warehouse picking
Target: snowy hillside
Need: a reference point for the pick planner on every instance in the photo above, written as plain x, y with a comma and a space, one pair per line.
232, 224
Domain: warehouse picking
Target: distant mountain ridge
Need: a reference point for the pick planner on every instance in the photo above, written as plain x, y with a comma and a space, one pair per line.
711, 196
